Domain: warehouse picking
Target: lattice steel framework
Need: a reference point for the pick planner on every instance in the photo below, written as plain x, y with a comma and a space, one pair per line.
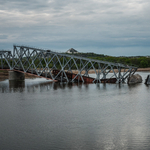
45, 62
6, 59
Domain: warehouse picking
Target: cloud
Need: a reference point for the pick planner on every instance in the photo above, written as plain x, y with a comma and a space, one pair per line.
82, 24
3, 36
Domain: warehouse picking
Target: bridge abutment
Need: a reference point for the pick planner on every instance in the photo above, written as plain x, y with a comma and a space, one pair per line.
16, 76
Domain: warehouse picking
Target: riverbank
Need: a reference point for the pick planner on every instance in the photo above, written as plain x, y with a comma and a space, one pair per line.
92, 71
4, 73
143, 69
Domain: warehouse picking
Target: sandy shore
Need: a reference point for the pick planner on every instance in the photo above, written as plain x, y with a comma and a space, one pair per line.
143, 69
92, 71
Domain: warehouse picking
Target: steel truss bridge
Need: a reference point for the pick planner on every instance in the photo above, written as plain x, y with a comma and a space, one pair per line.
61, 67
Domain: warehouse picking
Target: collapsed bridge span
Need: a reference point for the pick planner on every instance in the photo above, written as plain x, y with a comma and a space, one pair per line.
58, 66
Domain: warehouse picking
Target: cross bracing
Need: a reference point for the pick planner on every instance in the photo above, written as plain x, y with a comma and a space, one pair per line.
6, 59
65, 67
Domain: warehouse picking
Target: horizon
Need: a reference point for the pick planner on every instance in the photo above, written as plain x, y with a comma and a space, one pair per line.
116, 28
64, 51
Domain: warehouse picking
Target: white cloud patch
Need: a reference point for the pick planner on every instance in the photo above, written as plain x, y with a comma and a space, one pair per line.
82, 24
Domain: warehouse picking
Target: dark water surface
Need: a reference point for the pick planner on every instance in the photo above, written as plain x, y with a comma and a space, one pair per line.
40, 115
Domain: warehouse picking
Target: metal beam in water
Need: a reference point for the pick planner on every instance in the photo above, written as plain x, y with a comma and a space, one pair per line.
44, 62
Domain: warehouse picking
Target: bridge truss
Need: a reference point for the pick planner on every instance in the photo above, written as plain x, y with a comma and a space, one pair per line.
6, 59
65, 67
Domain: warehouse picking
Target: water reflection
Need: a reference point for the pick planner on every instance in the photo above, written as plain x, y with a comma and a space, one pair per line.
46, 115
134, 85
14, 86
147, 85
57, 85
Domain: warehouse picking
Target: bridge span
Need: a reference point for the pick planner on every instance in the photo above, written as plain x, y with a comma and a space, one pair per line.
60, 67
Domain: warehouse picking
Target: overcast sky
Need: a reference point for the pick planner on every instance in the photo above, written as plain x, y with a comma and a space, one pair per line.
110, 27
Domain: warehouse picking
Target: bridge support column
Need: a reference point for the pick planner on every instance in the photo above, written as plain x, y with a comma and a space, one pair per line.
104, 75
16, 76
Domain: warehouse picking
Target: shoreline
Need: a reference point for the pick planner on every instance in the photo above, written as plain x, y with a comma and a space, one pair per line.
4, 73
92, 70
143, 69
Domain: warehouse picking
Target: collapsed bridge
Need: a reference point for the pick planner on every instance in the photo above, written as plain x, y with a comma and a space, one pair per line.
63, 67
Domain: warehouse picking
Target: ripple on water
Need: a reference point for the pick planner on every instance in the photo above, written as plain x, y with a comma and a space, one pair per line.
43, 115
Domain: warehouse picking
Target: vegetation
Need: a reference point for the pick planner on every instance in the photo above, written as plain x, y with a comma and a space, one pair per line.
138, 61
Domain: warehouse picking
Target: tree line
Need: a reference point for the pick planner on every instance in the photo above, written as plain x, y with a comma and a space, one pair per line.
137, 61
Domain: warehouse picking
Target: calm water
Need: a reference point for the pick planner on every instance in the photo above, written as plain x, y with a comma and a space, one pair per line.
40, 115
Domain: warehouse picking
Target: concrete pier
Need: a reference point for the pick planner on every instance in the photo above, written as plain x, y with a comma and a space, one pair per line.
17, 76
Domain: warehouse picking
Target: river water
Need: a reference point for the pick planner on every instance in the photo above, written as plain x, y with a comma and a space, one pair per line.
41, 115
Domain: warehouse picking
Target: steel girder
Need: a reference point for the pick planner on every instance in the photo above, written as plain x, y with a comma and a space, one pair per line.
44, 62
6, 60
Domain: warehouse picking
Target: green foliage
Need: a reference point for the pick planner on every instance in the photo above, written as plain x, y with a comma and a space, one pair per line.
138, 61
142, 62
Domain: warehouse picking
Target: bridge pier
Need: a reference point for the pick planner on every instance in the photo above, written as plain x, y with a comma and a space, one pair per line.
16, 76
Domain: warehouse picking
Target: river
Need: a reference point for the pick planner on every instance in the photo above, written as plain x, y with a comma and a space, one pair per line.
41, 115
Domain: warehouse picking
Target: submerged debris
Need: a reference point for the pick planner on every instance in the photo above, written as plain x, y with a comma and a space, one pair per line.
147, 80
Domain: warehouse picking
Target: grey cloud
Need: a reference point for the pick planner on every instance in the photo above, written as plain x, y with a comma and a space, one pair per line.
3, 36
86, 23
